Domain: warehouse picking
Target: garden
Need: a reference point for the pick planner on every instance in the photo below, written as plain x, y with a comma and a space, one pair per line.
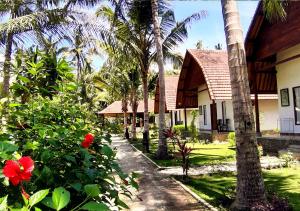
218, 188
54, 155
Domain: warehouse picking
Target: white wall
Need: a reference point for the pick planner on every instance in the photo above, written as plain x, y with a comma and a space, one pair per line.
229, 112
288, 76
204, 99
268, 114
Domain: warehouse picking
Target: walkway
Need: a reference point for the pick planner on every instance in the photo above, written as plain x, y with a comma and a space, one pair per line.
266, 163
156, 191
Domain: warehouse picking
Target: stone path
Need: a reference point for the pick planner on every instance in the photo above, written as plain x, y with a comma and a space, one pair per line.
157, 192
266, 162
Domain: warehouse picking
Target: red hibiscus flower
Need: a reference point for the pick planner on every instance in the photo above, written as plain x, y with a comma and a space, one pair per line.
88, 140
18, 171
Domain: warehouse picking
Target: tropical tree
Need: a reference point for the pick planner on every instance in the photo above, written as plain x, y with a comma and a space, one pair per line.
250, 184
132, 25
162, 151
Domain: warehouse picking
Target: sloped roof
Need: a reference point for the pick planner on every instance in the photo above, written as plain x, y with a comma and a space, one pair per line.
116, 108
171, 83
208, 67
214, 66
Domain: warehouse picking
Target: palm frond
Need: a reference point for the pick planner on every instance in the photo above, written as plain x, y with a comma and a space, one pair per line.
274, 9
179, 33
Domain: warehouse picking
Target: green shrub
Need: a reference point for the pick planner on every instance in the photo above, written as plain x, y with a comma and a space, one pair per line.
180, 129
231, 139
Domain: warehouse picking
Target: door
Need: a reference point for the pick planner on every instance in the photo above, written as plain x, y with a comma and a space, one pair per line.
213, 113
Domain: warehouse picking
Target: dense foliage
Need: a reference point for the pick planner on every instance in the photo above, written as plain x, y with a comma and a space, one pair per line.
71, 154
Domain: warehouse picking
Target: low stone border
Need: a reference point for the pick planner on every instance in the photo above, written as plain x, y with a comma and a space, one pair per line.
198, 198
193, 194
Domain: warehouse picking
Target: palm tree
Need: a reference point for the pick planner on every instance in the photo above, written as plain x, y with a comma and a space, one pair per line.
250, 184
162, 151
135, 30
135, 82
35, 15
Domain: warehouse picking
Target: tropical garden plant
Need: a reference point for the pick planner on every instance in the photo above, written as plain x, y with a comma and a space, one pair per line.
132, 25
53, 144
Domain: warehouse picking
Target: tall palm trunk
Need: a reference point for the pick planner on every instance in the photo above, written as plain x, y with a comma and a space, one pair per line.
125, 109
250, 184
7, 65
146, 113
134, 106
162, 151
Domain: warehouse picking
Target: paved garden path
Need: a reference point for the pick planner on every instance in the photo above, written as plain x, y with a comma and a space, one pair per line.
156, 191
266, 163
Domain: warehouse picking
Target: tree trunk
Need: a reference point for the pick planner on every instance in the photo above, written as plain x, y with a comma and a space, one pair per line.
7, 65
250, 184
134, 106
162, 151
146, 113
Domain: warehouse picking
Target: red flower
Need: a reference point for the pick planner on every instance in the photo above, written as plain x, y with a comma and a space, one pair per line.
18, 171
88, 140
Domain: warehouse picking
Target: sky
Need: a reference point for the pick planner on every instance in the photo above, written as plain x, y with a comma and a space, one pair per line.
209, 29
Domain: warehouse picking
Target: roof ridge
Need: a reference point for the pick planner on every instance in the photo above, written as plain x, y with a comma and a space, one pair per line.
207, 51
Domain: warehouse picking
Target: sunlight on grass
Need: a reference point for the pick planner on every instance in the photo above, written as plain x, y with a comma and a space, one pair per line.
212, 188
202, 154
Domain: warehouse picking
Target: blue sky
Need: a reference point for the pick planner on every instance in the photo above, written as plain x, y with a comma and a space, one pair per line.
210, 29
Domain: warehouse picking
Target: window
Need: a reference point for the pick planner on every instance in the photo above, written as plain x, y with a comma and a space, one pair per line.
200, 110
284, 97
204, 115
296, 93
224, 112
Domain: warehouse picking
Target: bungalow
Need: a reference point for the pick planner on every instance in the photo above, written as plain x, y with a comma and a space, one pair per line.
273, 57
204, 83
114, 110
173, 116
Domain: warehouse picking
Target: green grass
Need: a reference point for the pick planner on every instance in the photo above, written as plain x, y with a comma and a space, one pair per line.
202, 154
212, 188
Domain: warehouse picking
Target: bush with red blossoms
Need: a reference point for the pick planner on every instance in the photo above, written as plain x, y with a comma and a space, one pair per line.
88, 140
18, 171
44, 154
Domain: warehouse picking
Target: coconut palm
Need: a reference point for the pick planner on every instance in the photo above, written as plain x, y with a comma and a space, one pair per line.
162, 152
250, 184
135, 30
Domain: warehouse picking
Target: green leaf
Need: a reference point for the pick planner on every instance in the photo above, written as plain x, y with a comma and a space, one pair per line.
122, 204
92, 190
60, 198
94, 206
24, 79
37, 209
76, 186
38, 196
48, 202
106, 150
11, 105
3, 203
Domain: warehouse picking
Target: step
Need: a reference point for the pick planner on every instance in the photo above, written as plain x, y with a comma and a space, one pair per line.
294, 146
294, 150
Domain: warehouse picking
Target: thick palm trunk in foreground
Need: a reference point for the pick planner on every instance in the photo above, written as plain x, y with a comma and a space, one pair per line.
162, 151
7, 65
250, 185
146, 115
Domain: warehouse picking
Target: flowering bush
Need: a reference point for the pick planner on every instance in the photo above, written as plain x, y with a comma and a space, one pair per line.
72, 159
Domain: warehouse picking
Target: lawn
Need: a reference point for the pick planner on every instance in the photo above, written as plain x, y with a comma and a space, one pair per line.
214, 188
202, 154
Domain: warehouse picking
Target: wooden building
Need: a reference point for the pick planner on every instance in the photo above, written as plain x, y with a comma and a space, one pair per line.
273, 58
173, 115
204, 83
